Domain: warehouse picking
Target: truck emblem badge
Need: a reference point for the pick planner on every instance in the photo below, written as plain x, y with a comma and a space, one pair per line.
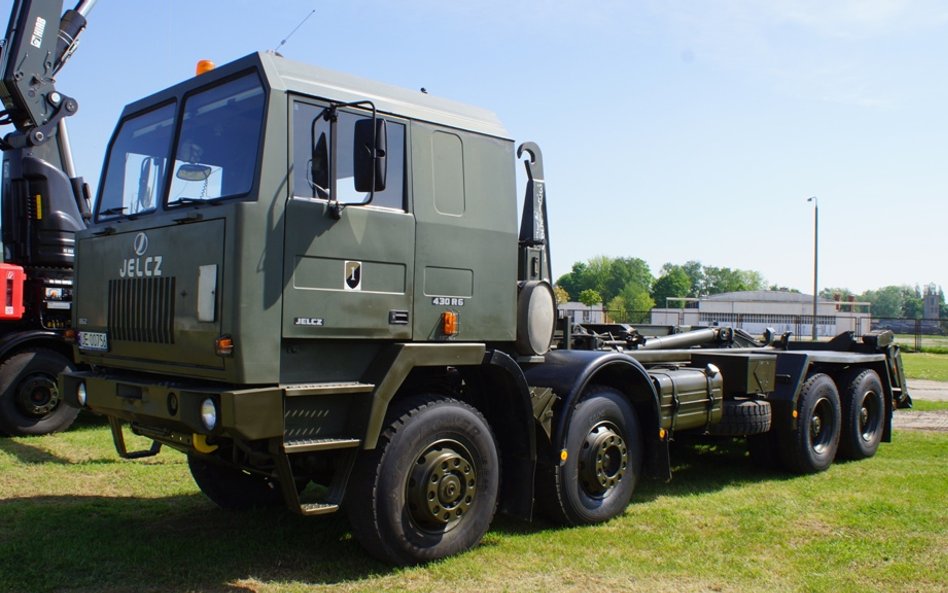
353, 275
141, 244
139, 267
309, 321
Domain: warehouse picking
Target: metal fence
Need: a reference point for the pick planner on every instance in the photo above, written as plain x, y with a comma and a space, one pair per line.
912, 334
917, 334
799, 326
615, 316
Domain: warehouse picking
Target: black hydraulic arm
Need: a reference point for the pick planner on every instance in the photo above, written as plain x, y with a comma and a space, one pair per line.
44, 202
39, 40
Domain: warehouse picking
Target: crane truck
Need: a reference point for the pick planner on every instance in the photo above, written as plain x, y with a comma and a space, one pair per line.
44, 204
314, 287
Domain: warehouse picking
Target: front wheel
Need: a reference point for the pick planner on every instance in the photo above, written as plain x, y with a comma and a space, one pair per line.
30, 402
863, 415
603, 459
429, 489
811, 447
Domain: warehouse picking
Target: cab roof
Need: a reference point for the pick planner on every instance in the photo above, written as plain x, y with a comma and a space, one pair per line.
283, 75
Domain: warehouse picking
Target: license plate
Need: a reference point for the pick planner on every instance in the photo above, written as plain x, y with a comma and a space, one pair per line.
94, 341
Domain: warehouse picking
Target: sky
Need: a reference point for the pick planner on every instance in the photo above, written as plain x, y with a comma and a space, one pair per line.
671, 130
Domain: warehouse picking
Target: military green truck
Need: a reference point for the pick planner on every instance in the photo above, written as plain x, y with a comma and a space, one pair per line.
314, 286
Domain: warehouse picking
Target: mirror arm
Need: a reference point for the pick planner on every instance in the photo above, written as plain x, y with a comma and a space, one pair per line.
375, 143
335, 208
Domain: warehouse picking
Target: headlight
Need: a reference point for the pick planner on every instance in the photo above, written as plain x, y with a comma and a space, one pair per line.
209, 414
81, 395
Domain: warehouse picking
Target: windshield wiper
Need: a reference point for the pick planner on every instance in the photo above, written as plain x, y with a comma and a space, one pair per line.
115, 210
194, 201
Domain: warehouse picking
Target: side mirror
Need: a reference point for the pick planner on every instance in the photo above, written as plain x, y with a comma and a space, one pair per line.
319, 167
368, 158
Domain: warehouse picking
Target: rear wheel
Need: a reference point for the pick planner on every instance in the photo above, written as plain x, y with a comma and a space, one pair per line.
30, 402
604, 459
429, 489
233, 489
811, 447
863, 406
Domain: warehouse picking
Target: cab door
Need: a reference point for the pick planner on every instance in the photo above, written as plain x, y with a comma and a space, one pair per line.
349, 277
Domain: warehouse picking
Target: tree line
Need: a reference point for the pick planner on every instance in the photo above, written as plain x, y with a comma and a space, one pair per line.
628, 290
893, 301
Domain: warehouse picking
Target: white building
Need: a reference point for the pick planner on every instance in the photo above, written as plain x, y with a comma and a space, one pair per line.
580, 313
754, 311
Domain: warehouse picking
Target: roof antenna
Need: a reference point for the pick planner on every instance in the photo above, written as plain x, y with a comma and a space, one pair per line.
282, 43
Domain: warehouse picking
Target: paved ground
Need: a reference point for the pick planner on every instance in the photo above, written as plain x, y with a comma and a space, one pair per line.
920, 389
907, 419
928, 390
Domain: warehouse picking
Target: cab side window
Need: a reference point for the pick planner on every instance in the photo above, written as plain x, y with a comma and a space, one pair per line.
312, 158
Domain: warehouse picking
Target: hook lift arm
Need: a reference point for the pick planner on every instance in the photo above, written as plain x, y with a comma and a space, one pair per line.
534, 235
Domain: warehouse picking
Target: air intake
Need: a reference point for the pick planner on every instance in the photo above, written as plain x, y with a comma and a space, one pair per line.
142, 310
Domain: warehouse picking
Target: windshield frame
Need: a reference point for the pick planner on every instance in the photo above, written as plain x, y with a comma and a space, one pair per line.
180, 100
104, 179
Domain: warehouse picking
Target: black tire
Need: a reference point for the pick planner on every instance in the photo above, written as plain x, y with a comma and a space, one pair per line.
863, 406
811, 448
30, 402
429, 488
742, 417
233, 489
604, 459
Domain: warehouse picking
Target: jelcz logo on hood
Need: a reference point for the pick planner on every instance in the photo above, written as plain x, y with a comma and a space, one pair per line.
140, 267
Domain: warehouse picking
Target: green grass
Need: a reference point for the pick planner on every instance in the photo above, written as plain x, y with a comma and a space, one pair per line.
75, 518
927, 405
930, 344
933, 367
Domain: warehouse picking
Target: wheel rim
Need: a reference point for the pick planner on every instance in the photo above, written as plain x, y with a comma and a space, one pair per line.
603, 460
37, 395
821, 433
870, 416
441, 486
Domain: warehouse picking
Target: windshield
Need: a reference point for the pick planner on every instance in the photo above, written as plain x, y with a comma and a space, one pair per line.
217, 148
215, 155
135, 174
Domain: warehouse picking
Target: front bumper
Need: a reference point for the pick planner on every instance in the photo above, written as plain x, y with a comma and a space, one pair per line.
246, 414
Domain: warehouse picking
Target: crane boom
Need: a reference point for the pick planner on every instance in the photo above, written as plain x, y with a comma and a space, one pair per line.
40, 38
43, 204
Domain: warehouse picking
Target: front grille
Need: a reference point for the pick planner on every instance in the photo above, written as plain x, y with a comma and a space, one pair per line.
142, 310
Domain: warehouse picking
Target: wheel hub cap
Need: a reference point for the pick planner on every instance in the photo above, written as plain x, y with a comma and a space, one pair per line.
820, 433
816, 425
442, 485
38, 395
604, 459
869, 415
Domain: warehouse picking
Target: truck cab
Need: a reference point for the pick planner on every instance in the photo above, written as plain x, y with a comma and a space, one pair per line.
220, 253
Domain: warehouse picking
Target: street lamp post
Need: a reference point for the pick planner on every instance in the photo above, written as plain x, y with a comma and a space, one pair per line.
816, 256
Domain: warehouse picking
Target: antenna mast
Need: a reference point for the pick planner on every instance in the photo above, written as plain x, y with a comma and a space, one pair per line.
282, 43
